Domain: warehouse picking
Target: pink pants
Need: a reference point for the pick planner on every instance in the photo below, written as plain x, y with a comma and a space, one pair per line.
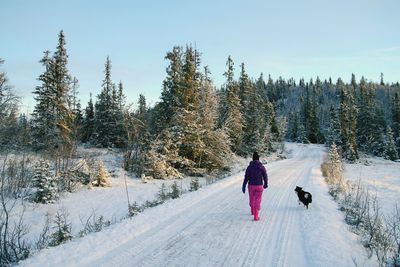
255, 196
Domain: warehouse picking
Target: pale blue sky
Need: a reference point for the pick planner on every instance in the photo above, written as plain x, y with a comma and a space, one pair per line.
288, 38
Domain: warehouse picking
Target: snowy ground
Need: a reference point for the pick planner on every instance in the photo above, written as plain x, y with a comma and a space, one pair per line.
381, 177
110, 202
213, 227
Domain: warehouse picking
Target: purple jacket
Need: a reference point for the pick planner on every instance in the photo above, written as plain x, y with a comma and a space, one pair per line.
255, 174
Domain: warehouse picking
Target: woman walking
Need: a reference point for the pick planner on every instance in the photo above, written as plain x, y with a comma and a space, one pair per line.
256, 176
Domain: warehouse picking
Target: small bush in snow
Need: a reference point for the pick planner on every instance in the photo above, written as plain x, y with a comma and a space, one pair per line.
44, 237
134, 209
63, 229
44, 182
93, 224
355, 205
163, 195
102, 177
393, 225
332, 169
150, 204
194, 185
175, 192
18, 174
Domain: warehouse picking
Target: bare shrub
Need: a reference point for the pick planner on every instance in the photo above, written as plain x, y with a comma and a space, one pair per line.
44, 237
393, 225
93, 223
355, 205
18, 174
13, 245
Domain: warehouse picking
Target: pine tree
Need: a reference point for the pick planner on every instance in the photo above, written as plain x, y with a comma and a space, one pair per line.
52, 116
162, 161
234, 123
88, 122
333, 135
138, 138
109, 118
75, 107
163, 195
102, 177
44, 182
216, 149
348, 123
175, 192
171, 87
186, 130
62, 81
396, 120
262, 110
194, 184
390, 151
63, 229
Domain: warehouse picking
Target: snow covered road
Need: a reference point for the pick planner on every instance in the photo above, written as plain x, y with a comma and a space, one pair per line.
213, 227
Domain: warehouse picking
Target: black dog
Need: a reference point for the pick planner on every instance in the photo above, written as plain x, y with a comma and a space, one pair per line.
304, 197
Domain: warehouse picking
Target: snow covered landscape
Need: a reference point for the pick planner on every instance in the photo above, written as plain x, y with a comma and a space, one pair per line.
135, 133
213, 226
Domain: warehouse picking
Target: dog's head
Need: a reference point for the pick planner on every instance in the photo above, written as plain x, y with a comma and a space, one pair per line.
298, 189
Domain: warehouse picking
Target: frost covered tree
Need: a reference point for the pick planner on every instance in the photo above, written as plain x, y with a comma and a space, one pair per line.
216, 150
44, 182
186, 130
138, 138
163, 194
88, 122
348, 123
102, 176
396, 119
390, 151
333, 134
109, 120
8, 113
52, 117
175, 192
234, 122
194, 184
371, 124
62, 231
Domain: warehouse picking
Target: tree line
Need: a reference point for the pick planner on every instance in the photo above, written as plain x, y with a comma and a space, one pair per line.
195, 126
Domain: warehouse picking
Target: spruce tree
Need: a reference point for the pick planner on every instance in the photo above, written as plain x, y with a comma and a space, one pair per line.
62, 87
138, 138
390, 151
216, 141
109, 119
333, 135
44, 182
396, 120
88, 122
102, 176
234, 123
185, 125
52, 117
175, 192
